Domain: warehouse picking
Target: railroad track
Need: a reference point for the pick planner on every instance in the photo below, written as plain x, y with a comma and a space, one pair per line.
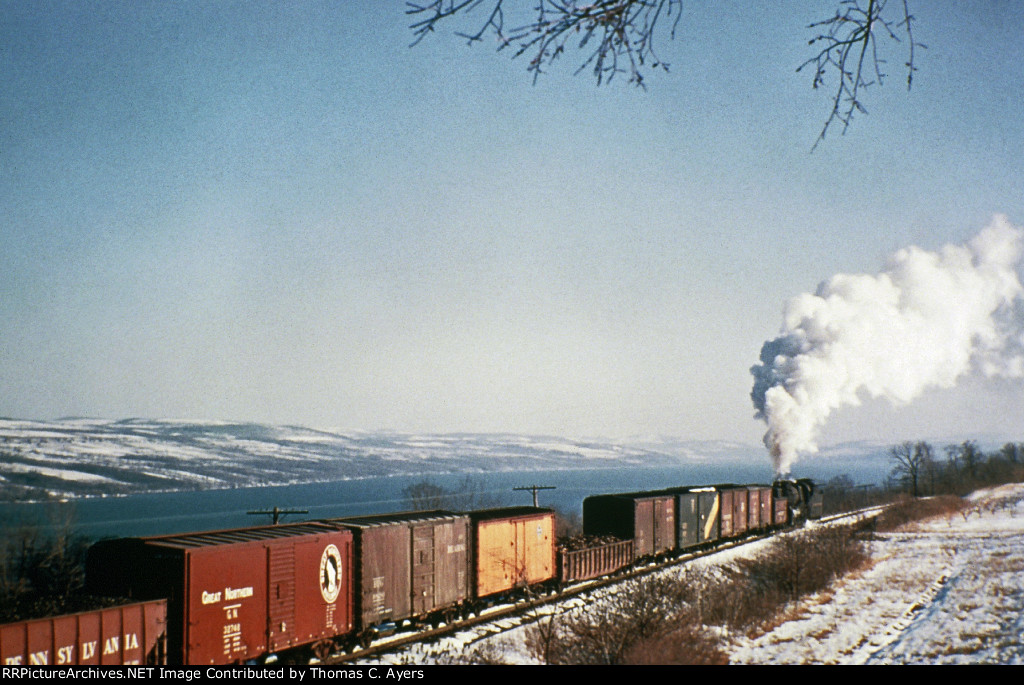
506, 617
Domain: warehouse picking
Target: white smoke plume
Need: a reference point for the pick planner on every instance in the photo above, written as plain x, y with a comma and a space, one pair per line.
926, 320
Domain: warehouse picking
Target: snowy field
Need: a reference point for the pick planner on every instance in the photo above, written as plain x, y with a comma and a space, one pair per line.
947, 590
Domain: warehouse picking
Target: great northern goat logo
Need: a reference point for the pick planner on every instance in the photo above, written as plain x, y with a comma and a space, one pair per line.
330, 574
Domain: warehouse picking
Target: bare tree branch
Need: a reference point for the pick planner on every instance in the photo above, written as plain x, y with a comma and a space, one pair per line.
619, 34
618, 37
849, 50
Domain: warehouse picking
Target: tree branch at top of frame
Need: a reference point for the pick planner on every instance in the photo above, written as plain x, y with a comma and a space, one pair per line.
849, 47
618, 37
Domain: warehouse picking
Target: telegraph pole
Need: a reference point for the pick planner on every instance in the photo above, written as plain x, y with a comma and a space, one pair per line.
277, 513
534, 489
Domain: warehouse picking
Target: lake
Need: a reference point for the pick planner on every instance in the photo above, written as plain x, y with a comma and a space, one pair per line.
176, 512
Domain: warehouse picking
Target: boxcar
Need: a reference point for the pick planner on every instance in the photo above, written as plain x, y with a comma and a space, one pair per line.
734, 517
726, 496
409, 565
513, 547
766, 505
759, 508
687, 519
236, 595
646, 517
753, 507
781, 508
131, 634
697, 515
709, 504
740, 520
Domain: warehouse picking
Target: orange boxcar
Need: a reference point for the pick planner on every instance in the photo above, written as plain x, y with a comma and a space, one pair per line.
512, 548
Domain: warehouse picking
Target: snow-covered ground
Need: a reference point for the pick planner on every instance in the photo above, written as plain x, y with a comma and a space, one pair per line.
948, 590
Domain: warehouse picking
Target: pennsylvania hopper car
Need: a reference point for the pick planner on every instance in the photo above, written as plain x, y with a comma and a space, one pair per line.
133, 634
237, 596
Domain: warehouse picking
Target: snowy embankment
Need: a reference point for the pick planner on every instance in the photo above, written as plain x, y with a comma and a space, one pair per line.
947, 590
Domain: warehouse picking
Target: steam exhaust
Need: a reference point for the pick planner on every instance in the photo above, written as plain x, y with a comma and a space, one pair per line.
924, 321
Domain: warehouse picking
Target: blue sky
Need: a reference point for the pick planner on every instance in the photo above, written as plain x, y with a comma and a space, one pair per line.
282, 212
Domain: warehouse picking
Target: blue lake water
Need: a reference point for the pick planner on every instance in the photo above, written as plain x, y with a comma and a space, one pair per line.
175, 512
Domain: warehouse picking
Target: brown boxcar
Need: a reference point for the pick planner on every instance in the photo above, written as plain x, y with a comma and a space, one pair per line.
132, 634
726, 496
740, 520
734, 517
409, 564
766, 506
594, 562
781, 506
753, 507
236, 595
646, 517
513, 547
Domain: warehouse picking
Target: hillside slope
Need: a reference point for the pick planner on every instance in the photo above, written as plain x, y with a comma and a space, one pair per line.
949, 590
89, 457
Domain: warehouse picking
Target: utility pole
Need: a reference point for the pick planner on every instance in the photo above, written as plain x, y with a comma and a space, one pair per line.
277, 513
534, 489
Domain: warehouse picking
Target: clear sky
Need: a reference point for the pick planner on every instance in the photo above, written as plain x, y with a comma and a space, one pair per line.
282, 212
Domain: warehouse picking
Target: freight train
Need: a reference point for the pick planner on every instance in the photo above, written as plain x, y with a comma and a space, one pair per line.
239, 596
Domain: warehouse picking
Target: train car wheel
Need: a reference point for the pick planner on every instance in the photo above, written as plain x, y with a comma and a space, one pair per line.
323, 649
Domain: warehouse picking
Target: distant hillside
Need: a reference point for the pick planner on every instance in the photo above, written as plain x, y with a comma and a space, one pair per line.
91, 457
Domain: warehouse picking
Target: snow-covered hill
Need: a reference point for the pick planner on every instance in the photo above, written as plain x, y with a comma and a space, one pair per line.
88, 457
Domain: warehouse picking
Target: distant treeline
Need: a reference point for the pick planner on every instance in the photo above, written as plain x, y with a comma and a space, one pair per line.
921, 470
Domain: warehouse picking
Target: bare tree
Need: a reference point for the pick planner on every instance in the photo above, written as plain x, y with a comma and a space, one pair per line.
468, 495
972, 457
909, 462
618, 37
925, 454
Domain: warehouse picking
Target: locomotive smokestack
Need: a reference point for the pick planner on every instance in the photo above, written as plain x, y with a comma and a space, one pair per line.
926, 320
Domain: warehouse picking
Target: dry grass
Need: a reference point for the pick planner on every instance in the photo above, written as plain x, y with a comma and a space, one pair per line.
1006, 564
909, 510
673, 620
